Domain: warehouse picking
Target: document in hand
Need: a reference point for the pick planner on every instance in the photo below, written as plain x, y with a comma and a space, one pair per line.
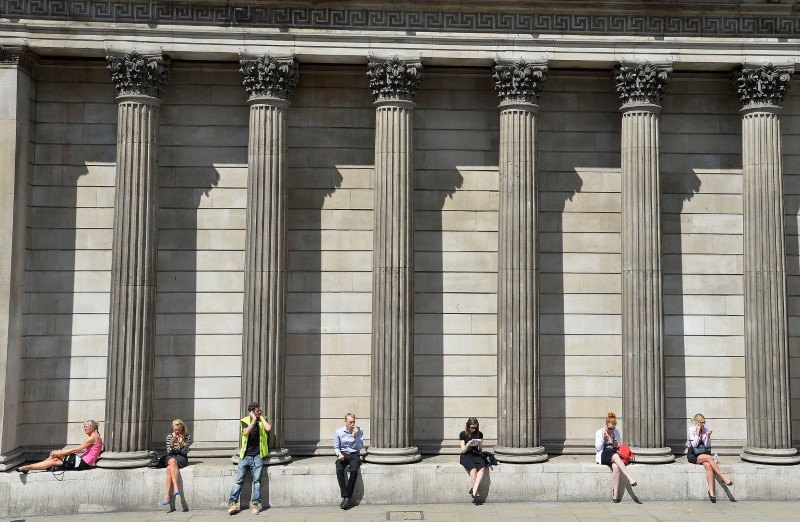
475, 442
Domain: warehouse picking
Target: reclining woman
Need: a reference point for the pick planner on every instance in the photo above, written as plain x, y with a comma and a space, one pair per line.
471, 440
178, 442
606, 441
698, 439
67, 457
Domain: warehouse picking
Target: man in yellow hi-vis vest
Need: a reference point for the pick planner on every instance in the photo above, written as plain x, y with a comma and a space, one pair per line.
253, 449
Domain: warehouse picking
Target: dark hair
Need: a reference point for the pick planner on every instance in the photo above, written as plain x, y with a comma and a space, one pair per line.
252, 406
470, 422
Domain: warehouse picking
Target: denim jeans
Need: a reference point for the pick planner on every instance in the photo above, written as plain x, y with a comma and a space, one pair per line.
254, 464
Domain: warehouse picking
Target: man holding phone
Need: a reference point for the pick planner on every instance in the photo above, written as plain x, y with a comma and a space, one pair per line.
347, 444
253, 450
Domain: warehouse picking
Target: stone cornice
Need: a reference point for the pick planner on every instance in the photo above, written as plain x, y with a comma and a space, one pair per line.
607, 18
137, 74
762, 86
266, 76
642, 83
394, 79
519, 82
18, 55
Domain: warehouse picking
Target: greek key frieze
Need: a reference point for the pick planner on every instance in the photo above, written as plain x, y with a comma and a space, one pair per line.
258, 15
764, 85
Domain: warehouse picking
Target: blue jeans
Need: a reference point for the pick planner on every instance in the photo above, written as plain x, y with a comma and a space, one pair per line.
255, 464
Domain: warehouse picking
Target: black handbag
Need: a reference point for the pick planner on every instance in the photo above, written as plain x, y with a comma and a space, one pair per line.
701, 449
489, 458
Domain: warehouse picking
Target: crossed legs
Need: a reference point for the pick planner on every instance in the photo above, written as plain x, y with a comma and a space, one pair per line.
617, 468
172, 478
712, 468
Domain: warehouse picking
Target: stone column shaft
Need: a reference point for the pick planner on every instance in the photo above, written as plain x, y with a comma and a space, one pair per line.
131, 345
16, 64
640, 88
769, 430
518, 410
265, 270
392, 378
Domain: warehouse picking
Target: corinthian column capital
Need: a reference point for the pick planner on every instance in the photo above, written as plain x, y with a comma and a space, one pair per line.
269, 77
519, 82
762, 86
139, 75
394, 79
642, 83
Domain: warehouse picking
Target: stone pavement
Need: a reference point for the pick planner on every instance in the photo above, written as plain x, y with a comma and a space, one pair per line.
550, 511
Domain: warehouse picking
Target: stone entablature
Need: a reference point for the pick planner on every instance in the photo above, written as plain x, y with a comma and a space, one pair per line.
618, 18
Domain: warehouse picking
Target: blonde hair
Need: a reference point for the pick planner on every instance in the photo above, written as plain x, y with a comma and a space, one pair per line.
611, 418
349, 415
698, 418
95, 425
179, 422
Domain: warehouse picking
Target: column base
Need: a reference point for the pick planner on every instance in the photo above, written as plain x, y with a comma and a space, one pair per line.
520, 455
11, 459
770, 456
392, 455
123, 459
653, 455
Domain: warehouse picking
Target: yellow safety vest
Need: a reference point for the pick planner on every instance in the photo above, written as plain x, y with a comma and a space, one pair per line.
262, 439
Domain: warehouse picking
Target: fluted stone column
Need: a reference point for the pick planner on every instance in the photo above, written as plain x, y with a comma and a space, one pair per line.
394, 84
16, 89
269, 83
518, 413
769, 422
131, 342
640, 87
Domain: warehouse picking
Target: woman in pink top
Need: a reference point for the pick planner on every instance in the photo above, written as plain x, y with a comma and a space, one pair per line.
93, 445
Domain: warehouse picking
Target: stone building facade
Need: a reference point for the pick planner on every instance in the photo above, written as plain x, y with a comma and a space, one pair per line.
532, 213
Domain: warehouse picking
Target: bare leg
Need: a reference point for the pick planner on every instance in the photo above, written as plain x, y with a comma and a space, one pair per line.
169, 483
709, 478
472, 474
174, 470
46, 463
478, 479
703, 459
618, 461
615, 480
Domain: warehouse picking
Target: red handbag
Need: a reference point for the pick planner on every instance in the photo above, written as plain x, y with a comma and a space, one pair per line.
625, 453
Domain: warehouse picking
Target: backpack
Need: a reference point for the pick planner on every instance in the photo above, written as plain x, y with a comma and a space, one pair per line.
625, 453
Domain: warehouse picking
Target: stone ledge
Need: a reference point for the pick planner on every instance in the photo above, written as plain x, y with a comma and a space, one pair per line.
312, 482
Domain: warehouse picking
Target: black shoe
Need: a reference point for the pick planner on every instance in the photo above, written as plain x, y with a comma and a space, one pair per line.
345, 503
729, 483
25, 472
341, 504
470, 491
712, 498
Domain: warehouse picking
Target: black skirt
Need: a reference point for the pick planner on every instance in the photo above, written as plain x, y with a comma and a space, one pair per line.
179, 458
471, 460
605, 457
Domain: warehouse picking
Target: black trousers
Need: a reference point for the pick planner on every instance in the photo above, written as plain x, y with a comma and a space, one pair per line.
352, 461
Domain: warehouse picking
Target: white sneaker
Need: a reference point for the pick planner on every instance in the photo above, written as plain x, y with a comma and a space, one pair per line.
255, 508
233, 508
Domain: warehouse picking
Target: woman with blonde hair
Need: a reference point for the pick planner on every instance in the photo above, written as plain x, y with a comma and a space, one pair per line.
178, 442
606, 441
68, 458
698, 438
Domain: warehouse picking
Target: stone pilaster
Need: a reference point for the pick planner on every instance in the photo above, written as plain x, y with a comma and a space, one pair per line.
640, 87
269, 83
139, 81
394, 84
16, 64
769, 422
518, 412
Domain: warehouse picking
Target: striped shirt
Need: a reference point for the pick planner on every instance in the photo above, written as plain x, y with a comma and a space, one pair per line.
175, 448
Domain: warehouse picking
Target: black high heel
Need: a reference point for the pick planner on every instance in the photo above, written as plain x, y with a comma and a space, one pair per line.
712, 498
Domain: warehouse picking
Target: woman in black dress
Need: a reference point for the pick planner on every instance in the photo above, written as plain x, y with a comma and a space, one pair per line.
471, 446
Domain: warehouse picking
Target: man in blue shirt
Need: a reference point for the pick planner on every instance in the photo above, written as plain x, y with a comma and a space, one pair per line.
347, 443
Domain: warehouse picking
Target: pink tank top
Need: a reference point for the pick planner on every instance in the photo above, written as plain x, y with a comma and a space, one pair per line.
92, 452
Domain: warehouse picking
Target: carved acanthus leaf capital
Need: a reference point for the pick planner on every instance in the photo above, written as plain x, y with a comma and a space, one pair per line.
137, 74
641, 83
394, 79
519, 82
764, 85
18, 55
270, 77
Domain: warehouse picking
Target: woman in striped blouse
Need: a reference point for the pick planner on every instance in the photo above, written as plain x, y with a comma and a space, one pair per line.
178, 443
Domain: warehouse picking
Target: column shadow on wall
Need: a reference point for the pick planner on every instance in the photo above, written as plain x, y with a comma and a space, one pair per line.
306, 281
429, 297
676, 190
176, 354
553, 390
